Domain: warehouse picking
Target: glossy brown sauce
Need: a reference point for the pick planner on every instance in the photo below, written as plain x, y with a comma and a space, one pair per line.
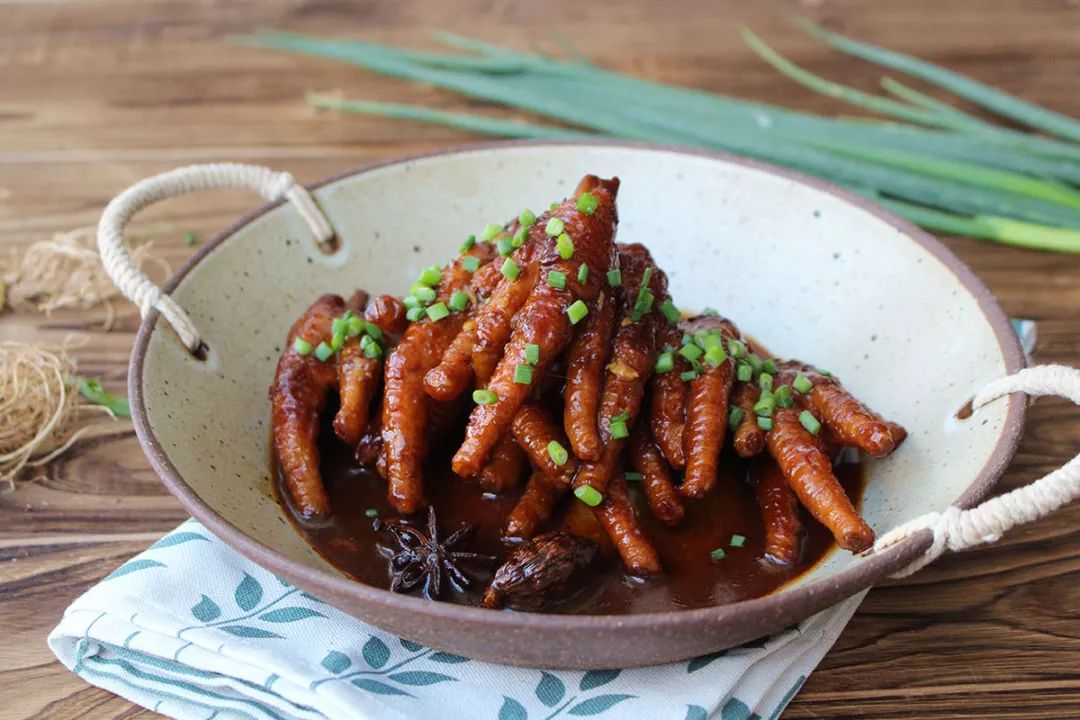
350, 540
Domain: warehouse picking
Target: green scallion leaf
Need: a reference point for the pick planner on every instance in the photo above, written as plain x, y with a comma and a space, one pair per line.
459, 300
744, 373
510, 269
505, 245
415, 313
670, 312
665, 362
410, 302
430, 276
438, 311
337, 341
467, 245
765, 405
554, 227
588, 495
618, 429
556, 279
423, 293
301, 346
583, 273
370, 348
803, 383
323, 351
355, 325
614, 278
371, 513
532, 353
718, 554
490, 232
688, 375
470, 263
784, 397
765, 423
557, 452
769, 366
587, 203
737, 348
577, 310
735, 416
755, 363
523, 374
338, 326
715, 356
738, 541
520, 237
527, 218
811, 423
484, 397
765, 381
691, 351
93, 391
565, 245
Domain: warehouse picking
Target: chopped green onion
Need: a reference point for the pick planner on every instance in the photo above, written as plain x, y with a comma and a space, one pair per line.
764, 423
371, 513
505, 246
803, 383
373, 330
764, 381
769, 366
715, 356
323, 351
565, 245
471, 263
766, 405
699, 338
468, 244
583, 274
92, 390
554, 227
490, 232
523, 374
556, 279
410, 302
665, 362
577, 311
437, 311
688, 375
614, 278
191, 239
633, 476
588, 495
643, 304
809, 422
735, 416
370, 348
738, 541
718, 554
823, 373
669, 311
520, 237
337, 342
621, 417
618, 429
755, 362
424, 294
430, 276
338, 326
690, 351
301, 346
557, 452
459, 300
710, 312
744, 373
414, 314
737, 348
484, 397
510, 269
783, 396
532, 353
553, 205
527, 218
587, 203
356, 326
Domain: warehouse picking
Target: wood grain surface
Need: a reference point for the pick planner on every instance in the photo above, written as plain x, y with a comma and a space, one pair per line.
94, 96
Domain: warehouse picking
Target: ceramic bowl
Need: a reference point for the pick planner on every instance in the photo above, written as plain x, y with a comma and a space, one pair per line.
814, 272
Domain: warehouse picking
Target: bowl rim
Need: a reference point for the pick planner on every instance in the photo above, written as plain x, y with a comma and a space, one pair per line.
802, 601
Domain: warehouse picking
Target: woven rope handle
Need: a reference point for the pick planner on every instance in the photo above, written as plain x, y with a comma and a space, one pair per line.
956, 529
133, 283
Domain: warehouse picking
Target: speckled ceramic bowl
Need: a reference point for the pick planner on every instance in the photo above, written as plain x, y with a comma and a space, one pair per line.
814, 272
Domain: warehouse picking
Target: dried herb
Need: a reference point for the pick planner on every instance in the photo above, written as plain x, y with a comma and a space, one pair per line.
422, 560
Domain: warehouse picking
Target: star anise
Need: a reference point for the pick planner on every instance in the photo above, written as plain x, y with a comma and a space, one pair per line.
423, 559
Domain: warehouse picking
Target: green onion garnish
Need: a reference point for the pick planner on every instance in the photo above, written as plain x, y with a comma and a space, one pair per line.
587, 203
371, 513
437, 311
527, 218
523, 374
323, 351
424, 294
430, 276
764, 423
691, 351
554, 227
471, 263
633, 476
191, 239
370, 348
614, 278
823, 373
337, 342
665, 362
577, 311
718, 554
809, 422
520, 237
755, 362
339, 326
505, 246
373, 330
490, 232
532, 353
583, 273
765, 406
484, 396
769, 366
618, 429
468, 244
565, 246
744, 373
588, 495
737, 348
783, 396
510, 269
301, 346
688, 375
410, 302
738, 541
715, 356
643, 304
91, 389
735, 416
803, 383
557, 452
670, 312
556, 279
459, 300
764, 381
710, 312
356, 326
413, 314
621, 417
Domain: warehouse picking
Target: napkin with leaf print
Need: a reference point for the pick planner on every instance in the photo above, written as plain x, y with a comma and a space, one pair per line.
192, 630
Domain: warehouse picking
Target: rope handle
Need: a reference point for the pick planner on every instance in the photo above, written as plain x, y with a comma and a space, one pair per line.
139, 288
956, 529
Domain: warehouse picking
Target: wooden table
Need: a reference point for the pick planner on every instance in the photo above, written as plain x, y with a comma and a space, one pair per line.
97, 95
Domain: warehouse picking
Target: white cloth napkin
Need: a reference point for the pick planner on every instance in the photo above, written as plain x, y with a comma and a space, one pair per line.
192, 630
